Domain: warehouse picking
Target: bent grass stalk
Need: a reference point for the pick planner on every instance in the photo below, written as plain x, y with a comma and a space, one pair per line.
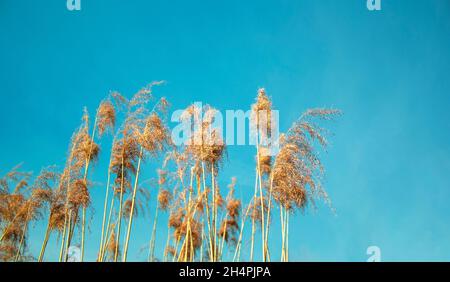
108, 229
261, 195
241, 233
119, 221
253, 218
151, 253
105, 207
83, 224
44, 243
133, 200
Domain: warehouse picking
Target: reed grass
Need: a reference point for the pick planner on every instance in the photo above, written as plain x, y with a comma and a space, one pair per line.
201, 224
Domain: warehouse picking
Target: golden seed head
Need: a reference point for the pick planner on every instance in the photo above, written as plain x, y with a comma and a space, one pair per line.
106, 115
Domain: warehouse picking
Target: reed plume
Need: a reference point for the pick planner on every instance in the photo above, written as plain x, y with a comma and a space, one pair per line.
163, 204
230, 224
153, 139
261, 120
20, 204
297, 170
207, 149
82, 151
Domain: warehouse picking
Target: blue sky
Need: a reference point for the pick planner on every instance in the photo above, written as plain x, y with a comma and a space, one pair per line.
388, 164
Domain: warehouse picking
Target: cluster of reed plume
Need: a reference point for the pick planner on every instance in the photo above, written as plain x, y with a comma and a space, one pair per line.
202, 224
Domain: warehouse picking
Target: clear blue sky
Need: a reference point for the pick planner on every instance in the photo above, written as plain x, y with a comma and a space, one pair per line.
388, 166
